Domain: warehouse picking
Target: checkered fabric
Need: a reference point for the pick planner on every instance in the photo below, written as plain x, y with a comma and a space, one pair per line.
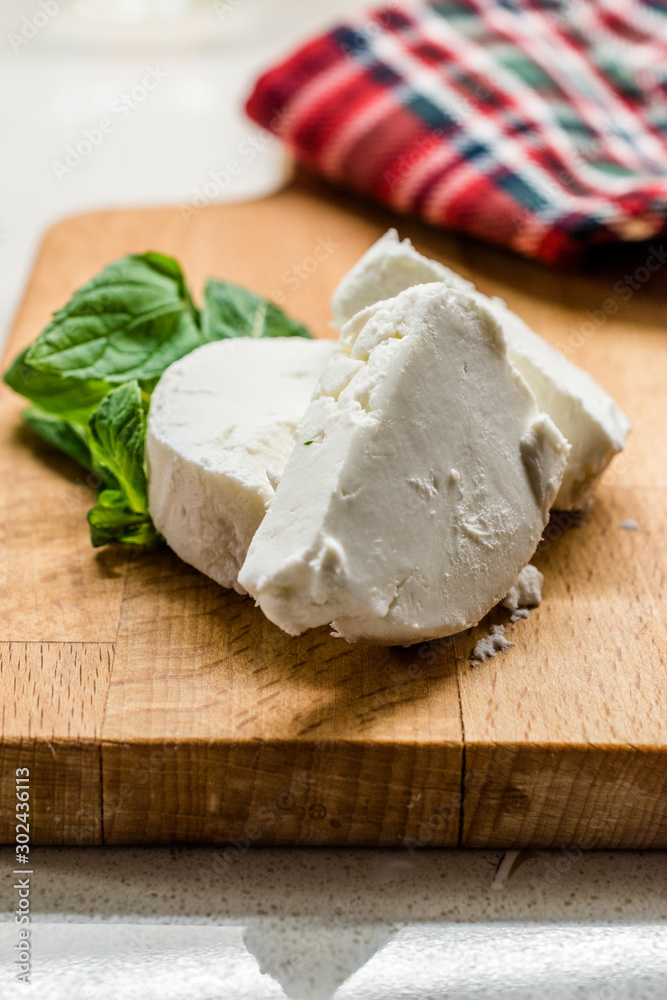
537, 124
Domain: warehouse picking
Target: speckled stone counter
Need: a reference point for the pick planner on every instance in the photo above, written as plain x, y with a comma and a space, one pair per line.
309, 924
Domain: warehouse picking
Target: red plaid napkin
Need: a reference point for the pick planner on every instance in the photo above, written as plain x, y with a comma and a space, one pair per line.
541, 124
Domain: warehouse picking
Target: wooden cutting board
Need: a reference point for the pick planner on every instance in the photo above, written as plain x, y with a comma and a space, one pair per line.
151, 706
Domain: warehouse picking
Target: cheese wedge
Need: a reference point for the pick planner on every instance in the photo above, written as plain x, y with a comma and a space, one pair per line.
419, 484
581, 409
220, 431
388, 267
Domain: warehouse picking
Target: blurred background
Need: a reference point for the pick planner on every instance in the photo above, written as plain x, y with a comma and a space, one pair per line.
171, 75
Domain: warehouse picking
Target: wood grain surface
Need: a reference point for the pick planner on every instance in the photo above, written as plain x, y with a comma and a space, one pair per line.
151, 706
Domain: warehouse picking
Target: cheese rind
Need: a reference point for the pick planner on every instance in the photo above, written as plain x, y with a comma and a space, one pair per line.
409, 505
220, 431
586, 414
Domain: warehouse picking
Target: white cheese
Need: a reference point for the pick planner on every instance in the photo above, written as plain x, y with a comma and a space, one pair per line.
220, 430
491, 644
420, 481
526, 592
388, 267
586, 414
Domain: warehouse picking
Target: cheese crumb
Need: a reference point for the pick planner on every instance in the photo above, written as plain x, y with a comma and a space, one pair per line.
493, 643
629, 525
526, 592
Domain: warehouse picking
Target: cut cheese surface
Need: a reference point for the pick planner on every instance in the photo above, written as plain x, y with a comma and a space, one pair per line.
420, 480
584, 413
220, 431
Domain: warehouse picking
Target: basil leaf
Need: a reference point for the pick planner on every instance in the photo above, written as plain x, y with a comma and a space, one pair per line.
232, 311
70, 398
70, 438
130, 322
117, 439
117, 434
111, 521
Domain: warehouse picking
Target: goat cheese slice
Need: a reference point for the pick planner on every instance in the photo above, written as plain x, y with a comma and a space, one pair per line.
581, 409
420, 482
388, 267
220, 431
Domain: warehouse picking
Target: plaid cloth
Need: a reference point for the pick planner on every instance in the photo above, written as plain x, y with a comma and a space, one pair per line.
540, 125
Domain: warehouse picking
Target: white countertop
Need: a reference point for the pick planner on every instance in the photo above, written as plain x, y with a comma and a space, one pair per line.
387, 924
306, 923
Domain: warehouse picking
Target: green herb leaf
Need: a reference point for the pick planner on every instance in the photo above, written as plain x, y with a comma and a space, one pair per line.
111, 521
232, 311
70, 438
117, 439
130, 322
71, 398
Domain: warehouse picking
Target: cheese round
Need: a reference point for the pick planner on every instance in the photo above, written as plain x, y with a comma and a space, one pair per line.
419, 484
220, 431
581, 409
